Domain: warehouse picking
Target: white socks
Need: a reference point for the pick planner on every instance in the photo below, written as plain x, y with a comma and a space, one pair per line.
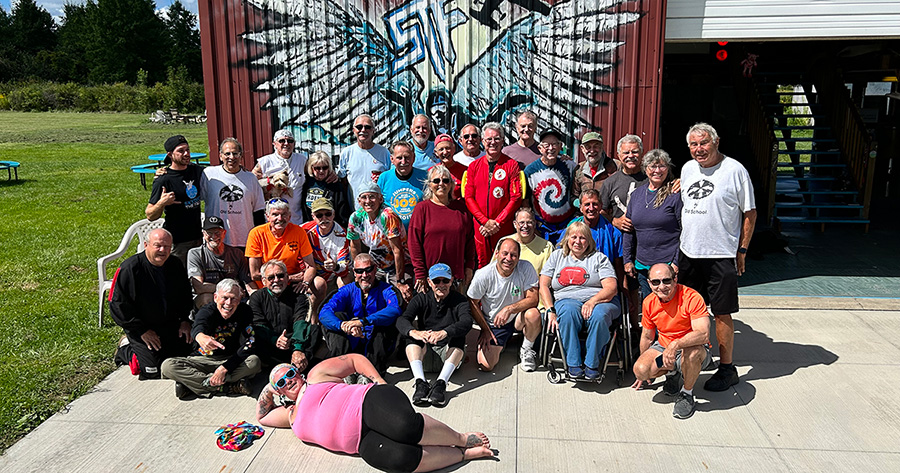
527, 344
417, 369
689, 392
446, 371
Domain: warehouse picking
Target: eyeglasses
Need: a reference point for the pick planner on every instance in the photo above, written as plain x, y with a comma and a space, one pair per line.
471, 136
440, 281
694, 144
282, 381
276, 200
657, 166
367, 269
323, 214
320, 168
275, 276
286, 140
657, 282
363, 127
231, 153
439, 180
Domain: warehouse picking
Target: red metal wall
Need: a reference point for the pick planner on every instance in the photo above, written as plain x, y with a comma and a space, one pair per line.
554, 74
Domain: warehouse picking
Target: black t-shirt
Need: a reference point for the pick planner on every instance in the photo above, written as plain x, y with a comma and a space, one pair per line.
617, 189
182, 220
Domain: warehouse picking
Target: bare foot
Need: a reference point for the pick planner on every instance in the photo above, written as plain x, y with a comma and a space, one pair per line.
477, 452
476, 439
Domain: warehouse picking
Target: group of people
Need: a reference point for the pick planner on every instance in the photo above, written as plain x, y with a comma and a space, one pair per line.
407, 247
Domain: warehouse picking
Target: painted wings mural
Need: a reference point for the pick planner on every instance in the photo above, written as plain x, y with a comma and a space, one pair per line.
327, 61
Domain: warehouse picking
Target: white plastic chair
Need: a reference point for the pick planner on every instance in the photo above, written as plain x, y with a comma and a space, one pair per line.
140, 229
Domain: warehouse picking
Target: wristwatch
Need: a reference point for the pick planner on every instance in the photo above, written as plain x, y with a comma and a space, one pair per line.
742, 250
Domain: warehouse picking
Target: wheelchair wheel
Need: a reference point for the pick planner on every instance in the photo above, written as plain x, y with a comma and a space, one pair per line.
554, 376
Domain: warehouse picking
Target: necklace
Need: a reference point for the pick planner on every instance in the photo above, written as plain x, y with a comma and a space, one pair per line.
650, 193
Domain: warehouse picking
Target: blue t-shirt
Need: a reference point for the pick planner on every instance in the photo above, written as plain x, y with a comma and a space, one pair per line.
357, 165
402, 195
607, 238
425, 157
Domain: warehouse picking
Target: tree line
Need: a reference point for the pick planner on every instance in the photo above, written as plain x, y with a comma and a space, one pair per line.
99, 42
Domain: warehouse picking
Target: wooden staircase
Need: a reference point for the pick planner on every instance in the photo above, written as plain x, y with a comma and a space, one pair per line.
813, 182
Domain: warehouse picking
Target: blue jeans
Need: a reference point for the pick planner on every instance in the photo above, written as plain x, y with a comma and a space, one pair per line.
644, 283
568, 312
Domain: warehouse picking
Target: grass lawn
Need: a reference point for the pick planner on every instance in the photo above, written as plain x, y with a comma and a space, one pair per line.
74, 200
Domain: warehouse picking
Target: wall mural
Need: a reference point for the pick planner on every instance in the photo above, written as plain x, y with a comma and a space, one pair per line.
324, 62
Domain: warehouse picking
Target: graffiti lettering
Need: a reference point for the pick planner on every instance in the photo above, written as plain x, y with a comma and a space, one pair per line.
422, 28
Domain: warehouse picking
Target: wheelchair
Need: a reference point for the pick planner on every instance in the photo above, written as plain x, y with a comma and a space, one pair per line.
553, 357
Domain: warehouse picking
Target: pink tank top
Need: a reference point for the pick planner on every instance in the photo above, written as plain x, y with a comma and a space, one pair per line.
330, 415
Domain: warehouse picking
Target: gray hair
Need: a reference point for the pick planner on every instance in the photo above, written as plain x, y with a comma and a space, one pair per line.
703, 128
526, 210
494, 126
228, 285
407, 144
630, 139
366, 115
363, 257
438, 170
527, 114
317, 157
659, 156
277, 204
272, 262
240, 148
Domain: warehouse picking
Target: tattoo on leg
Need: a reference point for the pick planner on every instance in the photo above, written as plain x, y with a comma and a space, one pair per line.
473, 441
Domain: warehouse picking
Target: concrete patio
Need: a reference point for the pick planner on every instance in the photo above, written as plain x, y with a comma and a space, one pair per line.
819, 391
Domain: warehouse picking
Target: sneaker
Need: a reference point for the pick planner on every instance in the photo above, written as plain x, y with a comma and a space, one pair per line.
528, 359
181, 391
591, 373
723, 379
684, 406
673, 384
421, 393
240, 388
360, 379
350, 379
575, 372
437, 396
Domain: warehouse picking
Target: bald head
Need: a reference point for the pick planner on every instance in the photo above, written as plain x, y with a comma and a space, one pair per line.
158, 246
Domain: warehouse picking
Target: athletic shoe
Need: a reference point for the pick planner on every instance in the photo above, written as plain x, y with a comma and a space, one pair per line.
363, 380
673, 384
437, 396
723, 379
684, 406
591, 373
576, 372
421, 393
181, 391
240, 388
528, 359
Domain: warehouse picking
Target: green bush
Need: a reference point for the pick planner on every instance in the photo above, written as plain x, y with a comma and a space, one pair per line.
28, 98
177, 92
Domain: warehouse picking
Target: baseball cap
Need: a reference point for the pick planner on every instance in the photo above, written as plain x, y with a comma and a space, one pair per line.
368, 187
591, 136
212, 221
440, 270
173, 142
321, 204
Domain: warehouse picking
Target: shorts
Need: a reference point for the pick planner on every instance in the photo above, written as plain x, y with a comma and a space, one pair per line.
436, 355
706, 361
714, 278
503, 333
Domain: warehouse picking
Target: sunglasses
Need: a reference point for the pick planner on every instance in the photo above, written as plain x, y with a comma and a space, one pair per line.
324, 214
285, 140
320, 168
275, 276
367, 269
231, 153
363, 127
276, 200
439, 180
282, 381
471, 136
657, 282
440, 281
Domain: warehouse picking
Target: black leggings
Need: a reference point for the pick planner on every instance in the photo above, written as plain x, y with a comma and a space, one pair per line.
391, 430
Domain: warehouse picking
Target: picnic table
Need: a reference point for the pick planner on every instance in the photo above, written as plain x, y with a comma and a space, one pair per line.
10, 166
159, 158
157, 161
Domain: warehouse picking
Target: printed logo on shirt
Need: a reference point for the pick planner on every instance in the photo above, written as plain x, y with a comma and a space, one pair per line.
700, 189
293, 245
572, 276
516, 291
499, 174
403, 201
315, 193
231, 193
190, 189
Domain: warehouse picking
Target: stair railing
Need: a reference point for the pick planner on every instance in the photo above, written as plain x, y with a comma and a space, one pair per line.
850, 132
763, 143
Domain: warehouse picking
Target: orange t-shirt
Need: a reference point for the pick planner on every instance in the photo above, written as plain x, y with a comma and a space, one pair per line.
289, 249
673, 319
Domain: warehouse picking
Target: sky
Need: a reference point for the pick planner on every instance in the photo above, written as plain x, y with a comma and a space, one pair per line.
55, 7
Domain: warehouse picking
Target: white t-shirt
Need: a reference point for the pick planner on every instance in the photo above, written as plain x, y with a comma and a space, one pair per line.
464, 159
272, 163
497, 292
715, 199
233, 198
357, 165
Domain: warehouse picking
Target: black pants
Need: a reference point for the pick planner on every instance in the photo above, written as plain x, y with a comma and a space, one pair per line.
148, 361
391, 430
376, 349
